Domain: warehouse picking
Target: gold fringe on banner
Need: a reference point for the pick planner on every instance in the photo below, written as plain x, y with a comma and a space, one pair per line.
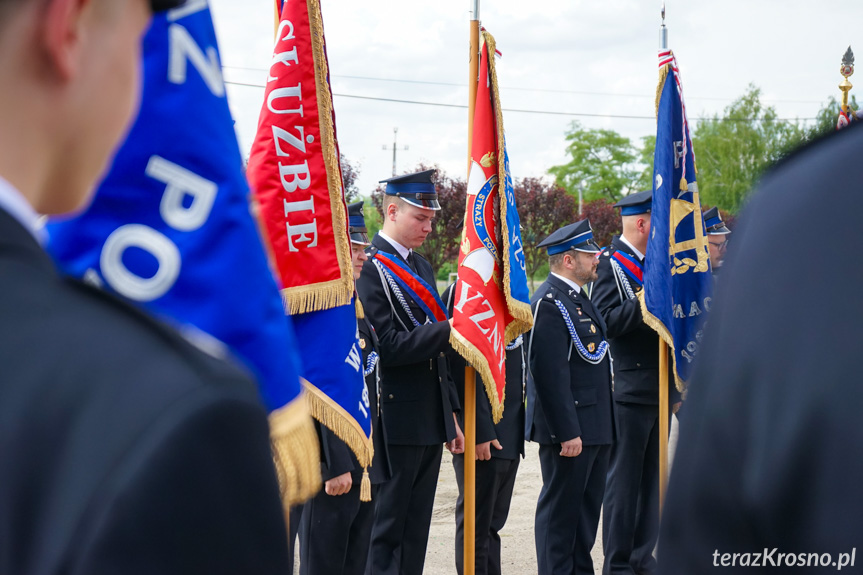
336, 419
296, 452
476, 359
519, 310
315, 297
361, 313
656, 324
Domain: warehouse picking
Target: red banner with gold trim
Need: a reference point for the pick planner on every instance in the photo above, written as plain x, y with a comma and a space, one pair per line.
294, 168
486, 316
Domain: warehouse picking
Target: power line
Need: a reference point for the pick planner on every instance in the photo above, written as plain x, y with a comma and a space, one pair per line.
520, 111
523, 89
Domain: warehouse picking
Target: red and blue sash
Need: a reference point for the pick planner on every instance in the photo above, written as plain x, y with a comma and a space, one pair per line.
630, 265
416, 287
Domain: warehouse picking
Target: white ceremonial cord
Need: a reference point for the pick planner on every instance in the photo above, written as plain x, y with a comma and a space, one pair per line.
622, 279
594, 358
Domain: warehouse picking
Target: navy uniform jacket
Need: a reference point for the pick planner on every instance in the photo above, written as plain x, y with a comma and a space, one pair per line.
567, 397
634, 344
772, 438
125, 449
509, 431
418, 397
336, 456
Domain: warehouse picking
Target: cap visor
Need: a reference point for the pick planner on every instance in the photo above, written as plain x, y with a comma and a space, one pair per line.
590, 247
424, 204
360, 238
718, 231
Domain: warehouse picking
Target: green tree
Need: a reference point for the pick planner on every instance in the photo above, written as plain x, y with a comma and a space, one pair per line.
733, 150
645, 159
603, 160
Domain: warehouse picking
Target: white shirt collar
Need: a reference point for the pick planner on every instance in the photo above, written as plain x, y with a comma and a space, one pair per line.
569, 282
632, 247
13, 203
403, 251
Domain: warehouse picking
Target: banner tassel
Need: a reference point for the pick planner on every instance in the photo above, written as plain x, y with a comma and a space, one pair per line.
366, 486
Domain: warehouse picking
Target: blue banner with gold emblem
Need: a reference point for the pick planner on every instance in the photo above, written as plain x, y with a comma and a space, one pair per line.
170, 229
677, 280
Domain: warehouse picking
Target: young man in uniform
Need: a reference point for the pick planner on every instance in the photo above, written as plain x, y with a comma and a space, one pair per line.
336, 526
418, 398
570, 412
125, 448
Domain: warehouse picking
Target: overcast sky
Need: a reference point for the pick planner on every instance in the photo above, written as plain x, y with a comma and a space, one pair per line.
563, 56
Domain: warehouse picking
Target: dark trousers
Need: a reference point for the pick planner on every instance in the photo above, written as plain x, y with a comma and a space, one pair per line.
495, 480
567, 513
335, 532
403, 511
630, 522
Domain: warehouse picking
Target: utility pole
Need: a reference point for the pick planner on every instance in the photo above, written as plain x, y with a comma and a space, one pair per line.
395, 148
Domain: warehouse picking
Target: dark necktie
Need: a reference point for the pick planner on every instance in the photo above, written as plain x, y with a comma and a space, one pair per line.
411, 261
588, 305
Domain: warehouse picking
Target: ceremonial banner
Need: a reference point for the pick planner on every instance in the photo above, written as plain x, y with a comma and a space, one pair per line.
296, 178
170, 229
294, 168
677, 280
491, 305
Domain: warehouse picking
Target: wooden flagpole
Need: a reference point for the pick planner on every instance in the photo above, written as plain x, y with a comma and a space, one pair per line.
663, 421
663, 360
469, 510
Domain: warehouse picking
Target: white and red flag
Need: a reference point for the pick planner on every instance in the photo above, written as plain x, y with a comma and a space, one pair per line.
492, 305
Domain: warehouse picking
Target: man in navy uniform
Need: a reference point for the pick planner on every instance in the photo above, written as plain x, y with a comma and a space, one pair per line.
770, 477
498, 449
125, 448
337, 525
570, 412
717, 238
631, 508
418, 398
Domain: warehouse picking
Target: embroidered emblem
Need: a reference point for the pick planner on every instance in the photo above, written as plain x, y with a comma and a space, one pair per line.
592, 328
362, 343
591, 346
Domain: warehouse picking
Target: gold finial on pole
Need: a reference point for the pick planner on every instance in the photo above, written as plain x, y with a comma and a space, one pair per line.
663, 31
847, 69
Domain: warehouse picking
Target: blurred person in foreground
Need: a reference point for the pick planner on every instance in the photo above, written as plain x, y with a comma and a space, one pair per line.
770, 478
125, 448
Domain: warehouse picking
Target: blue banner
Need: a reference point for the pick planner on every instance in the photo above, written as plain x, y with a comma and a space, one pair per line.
333, 365
170, 226
677, 280
517, 270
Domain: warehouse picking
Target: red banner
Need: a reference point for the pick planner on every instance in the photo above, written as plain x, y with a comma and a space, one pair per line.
294, 168
482, 321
